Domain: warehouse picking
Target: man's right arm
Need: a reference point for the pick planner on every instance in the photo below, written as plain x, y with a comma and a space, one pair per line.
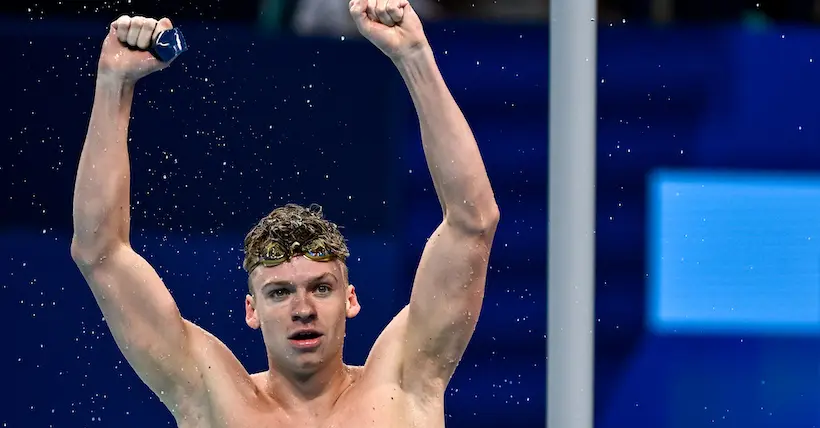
138, 308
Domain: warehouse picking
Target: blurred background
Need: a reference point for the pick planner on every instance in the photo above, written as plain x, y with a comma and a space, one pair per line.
708, 215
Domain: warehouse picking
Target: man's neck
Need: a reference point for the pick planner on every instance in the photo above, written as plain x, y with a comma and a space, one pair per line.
318, 390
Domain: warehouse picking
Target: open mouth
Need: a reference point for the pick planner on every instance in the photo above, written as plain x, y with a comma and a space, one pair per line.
305, 335
305, 340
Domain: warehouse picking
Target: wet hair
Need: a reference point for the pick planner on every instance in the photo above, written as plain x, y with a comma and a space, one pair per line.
292, 227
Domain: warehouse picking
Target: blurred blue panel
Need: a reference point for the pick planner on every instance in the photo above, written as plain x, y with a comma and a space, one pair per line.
734, 251
700, 382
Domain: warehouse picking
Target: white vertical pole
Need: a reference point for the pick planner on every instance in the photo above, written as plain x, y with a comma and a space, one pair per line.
571, 260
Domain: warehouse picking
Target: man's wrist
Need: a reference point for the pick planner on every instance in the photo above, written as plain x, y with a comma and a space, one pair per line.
114, 80
417, 61
421, 51
115, 91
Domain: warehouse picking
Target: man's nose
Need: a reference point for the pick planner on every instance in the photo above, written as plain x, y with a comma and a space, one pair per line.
303, 310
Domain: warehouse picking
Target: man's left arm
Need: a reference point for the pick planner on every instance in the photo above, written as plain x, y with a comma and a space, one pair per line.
449, 285
448, 289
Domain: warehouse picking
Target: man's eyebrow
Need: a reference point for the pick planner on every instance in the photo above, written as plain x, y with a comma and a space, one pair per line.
281, 282
284, 282
324, 276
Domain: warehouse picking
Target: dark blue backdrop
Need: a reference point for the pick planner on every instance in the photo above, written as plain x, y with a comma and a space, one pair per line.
242, 123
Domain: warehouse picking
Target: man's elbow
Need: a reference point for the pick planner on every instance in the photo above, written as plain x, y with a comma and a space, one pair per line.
477, 219
87, 254
490, 217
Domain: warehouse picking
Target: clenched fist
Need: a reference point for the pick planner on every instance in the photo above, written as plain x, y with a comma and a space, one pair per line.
392, 25
126, 50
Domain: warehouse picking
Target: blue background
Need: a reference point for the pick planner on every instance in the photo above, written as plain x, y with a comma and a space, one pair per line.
242, 123
735, 252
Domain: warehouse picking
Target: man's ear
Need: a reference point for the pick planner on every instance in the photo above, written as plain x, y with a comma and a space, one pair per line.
251, 318
352, 306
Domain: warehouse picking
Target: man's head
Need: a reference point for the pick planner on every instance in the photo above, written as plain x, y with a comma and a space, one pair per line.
298, 287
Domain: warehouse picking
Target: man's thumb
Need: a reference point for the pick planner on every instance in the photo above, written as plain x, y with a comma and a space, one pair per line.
164, 24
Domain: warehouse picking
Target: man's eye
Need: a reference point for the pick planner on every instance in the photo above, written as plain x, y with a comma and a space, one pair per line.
280, 292
323, 289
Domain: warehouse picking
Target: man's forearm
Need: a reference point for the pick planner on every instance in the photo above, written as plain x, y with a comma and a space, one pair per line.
450, 148
101, 190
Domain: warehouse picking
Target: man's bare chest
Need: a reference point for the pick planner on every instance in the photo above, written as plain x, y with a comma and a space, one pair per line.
380, 407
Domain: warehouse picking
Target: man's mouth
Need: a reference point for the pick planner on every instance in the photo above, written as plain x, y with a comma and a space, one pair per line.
305, 334
305, 339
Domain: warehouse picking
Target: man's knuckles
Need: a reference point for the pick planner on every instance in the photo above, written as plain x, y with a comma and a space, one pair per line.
137, 31
146, 33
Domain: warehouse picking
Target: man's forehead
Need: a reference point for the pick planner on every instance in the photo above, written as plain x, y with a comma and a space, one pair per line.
297, 270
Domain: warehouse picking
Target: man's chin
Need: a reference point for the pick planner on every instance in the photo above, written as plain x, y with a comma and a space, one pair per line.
307, 367
303, 362
309, 360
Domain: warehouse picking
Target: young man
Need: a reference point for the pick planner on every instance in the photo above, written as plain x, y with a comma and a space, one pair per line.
299, 294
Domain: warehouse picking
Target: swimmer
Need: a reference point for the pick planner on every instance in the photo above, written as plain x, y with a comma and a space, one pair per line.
299, 296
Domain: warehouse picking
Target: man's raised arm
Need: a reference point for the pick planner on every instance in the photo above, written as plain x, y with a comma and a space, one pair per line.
138, 308
449, 286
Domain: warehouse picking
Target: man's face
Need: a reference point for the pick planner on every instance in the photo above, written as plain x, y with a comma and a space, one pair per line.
301, 307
